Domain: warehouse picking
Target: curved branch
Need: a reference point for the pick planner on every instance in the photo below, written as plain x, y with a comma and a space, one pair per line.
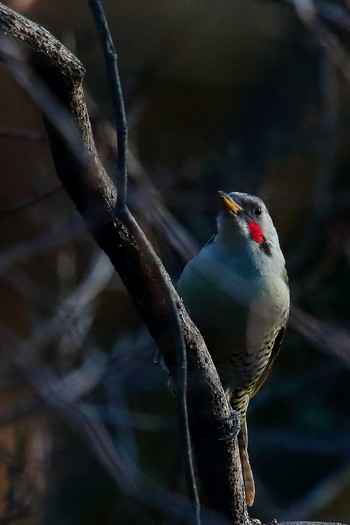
95, 196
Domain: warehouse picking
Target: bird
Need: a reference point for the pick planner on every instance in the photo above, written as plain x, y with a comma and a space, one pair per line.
236, 292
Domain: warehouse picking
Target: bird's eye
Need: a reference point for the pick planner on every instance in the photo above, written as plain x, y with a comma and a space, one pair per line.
258, 211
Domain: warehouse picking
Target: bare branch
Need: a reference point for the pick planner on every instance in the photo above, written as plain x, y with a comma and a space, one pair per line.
143, 274
122, 133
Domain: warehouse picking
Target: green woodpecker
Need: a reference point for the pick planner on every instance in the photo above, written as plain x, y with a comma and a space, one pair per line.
236, 291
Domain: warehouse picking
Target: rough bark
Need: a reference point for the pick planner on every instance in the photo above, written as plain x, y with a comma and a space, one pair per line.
143, 274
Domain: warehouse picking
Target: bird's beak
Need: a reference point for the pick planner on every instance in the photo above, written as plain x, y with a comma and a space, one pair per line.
229, 203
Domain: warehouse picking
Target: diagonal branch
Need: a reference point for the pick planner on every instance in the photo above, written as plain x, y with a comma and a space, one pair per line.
117, 233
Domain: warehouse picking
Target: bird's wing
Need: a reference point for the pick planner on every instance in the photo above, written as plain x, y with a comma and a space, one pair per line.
274, 353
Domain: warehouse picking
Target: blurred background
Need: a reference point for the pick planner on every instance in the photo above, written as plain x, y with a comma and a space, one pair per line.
238, 95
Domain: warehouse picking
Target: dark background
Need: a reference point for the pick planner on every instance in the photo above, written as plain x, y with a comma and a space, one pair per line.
236, 95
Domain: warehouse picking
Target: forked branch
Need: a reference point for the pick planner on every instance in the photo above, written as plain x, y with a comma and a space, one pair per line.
116, 232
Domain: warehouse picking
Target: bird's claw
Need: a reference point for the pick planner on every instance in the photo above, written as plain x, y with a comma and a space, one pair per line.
236, 426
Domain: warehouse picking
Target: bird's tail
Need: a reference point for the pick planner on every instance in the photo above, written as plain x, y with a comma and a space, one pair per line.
246, 469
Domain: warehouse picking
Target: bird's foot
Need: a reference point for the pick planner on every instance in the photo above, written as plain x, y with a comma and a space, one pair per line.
236, 426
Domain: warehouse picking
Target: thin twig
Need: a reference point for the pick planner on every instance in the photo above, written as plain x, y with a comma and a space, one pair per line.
122, 133
111, 59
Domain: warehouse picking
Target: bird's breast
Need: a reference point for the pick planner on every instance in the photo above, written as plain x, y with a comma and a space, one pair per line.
236, 313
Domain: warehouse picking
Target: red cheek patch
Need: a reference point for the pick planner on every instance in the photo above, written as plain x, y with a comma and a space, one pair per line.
256, 232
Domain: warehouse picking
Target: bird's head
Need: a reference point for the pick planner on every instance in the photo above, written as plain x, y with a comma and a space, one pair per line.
246, 217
